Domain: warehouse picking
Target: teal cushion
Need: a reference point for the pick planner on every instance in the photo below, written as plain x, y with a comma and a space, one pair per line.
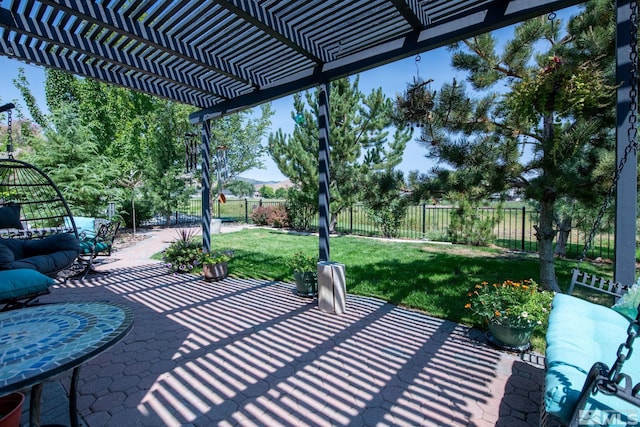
85, 225
6, 257
580, 334
87, 247
51, 244
21, 283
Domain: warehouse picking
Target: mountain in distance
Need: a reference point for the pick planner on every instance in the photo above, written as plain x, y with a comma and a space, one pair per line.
273, 184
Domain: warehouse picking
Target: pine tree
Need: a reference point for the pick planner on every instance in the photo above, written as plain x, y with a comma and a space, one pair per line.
558, 106
359, 140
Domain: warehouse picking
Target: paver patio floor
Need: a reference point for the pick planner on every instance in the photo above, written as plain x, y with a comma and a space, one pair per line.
252, 353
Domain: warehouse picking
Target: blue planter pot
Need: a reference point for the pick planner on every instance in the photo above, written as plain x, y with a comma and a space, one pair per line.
510, 337
306, 283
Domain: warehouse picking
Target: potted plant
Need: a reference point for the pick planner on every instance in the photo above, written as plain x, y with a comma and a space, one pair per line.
511, 310
183, 254
214, 265
305, 273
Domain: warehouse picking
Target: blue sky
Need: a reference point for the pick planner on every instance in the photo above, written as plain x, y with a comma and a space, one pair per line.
392, 78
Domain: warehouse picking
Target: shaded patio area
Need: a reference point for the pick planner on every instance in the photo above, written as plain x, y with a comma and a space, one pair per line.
251, 352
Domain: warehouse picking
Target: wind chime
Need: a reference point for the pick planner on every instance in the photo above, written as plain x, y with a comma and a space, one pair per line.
7, 108
220, 163
191, 152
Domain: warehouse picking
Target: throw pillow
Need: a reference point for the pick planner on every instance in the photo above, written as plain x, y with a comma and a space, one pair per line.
627, 305
22, 282
10, 216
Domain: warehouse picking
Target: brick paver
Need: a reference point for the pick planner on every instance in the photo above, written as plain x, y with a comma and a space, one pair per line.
250, 352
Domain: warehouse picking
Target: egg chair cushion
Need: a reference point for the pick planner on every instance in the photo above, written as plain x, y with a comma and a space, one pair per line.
48, 255
23, 283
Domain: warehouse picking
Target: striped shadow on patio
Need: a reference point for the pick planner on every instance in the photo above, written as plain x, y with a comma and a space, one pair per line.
251, 352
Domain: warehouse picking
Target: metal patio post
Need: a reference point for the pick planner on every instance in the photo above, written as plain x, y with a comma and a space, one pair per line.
323, 172
206, 187
626, 113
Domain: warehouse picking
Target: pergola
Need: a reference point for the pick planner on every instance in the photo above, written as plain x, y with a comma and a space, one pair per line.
227, 55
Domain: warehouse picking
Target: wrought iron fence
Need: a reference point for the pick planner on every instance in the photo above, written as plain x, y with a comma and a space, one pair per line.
515, 230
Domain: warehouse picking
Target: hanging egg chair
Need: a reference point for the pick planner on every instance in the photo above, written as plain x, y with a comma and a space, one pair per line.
31, 205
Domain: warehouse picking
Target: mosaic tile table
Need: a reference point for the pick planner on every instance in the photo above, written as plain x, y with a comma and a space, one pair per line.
39, 342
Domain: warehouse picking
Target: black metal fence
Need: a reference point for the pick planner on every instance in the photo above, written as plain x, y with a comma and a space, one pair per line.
513, 230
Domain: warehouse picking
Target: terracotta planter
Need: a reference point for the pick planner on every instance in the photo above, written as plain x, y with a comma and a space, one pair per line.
215, 272
306, 283
11, 409
510, 337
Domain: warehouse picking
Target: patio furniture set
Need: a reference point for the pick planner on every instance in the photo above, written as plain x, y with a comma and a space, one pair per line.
39, 238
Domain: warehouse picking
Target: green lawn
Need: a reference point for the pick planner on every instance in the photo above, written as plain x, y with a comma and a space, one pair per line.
433, 278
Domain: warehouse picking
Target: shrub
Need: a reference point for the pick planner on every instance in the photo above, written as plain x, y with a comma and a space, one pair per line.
469, 225
300, 209
302, 263
386, 205
278, 217
260, 215
143, 212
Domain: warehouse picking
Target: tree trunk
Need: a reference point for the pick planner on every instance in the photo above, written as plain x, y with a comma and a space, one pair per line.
333, 222
545, 235
563, 236
545, 232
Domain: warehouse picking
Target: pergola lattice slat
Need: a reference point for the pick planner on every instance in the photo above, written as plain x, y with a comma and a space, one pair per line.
227, 55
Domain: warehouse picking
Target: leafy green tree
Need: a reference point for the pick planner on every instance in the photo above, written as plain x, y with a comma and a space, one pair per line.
266, 192
22, 84
359, 138
558, 107
166, 184
281, 193
68, 155
241, 133
240, 188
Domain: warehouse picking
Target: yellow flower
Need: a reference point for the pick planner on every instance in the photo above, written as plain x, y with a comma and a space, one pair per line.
497, 313
467, 305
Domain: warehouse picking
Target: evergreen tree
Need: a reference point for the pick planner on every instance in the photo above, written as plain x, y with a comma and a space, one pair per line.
359, 140
68, 155
558, 108
386, 204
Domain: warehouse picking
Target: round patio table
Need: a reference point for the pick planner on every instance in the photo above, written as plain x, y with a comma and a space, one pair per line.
39, 342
